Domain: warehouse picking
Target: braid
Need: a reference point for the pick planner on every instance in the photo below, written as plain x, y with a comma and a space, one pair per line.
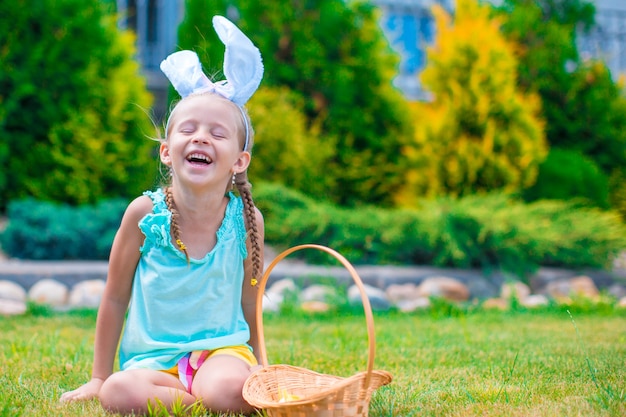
243, 186
169, 200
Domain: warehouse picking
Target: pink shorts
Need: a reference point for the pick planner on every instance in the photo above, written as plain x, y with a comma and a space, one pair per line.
189, 364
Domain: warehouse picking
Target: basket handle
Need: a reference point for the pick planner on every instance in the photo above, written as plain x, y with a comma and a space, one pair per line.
371, 337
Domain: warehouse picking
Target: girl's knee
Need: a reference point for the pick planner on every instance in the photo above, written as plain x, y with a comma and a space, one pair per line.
223, 394
222, 386
129, 392
117, 394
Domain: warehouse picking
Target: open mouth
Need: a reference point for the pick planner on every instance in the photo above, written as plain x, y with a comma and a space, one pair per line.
198, 159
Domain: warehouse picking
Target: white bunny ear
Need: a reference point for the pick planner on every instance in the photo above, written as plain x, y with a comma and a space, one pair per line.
243, 66
184, 71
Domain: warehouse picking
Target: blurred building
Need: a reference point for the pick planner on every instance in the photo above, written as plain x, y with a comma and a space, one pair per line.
408, 24
409, 27
607, 39
155, 22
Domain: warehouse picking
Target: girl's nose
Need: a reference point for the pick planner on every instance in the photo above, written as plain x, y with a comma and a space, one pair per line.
201, 138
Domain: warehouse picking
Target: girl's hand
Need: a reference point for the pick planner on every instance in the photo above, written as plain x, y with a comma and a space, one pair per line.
83, 393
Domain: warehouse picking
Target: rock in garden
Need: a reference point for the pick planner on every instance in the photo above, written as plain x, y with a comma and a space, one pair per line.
377, 297
275, 295
87, 294
324, 293
444, 287
408, 306
534, 300
617, 290
584, 286
12, 307
272, 302
314, 306
402, 292
516, 289
49, 292
282, 286
481, 288
9, 290
496, 304
581, 286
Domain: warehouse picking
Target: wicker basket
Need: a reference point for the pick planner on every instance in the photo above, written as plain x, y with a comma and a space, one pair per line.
290, 391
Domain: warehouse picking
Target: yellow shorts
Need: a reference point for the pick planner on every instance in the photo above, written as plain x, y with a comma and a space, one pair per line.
189, 364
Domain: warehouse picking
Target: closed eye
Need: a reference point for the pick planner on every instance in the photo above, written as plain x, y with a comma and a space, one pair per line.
187, 128
219, 135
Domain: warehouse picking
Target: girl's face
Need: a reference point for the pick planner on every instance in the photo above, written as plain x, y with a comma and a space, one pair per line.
204, 141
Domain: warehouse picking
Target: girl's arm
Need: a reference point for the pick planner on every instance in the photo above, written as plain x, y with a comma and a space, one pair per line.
122, 264
249, 294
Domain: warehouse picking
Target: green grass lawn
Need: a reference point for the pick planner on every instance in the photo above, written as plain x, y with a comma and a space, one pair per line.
445, 363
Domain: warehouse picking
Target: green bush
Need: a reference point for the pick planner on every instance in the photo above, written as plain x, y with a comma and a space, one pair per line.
617, 194
494, 232
567, 175
73, 125
47, 230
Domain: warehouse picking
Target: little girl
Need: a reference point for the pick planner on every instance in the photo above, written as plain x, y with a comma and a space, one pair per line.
186, 257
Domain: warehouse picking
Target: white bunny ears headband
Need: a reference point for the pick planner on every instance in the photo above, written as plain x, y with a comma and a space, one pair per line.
243, 69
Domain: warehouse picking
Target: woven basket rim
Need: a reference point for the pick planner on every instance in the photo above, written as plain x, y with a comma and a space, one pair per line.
342, 383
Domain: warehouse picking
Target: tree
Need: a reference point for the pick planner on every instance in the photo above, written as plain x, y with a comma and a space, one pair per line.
286, 150
333, 55
582, 105
72, 126
197, 34
480, 133
567, 175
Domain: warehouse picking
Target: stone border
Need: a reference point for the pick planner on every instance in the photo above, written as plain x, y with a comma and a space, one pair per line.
70, 273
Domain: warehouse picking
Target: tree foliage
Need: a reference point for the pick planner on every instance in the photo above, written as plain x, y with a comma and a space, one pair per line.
480, 133
333, 55
583, 106
286, 148
568, 174
72, 125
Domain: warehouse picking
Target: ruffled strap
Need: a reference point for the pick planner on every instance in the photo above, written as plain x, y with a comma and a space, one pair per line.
158, 200
156, 225
234, 223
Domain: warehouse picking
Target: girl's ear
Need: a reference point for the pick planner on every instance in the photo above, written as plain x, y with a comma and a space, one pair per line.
164, 152
241, 164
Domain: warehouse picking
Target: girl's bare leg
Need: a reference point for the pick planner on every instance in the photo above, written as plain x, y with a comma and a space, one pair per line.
129, 391
219, 384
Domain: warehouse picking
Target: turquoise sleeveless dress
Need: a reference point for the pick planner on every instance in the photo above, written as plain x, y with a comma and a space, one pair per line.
177, 308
